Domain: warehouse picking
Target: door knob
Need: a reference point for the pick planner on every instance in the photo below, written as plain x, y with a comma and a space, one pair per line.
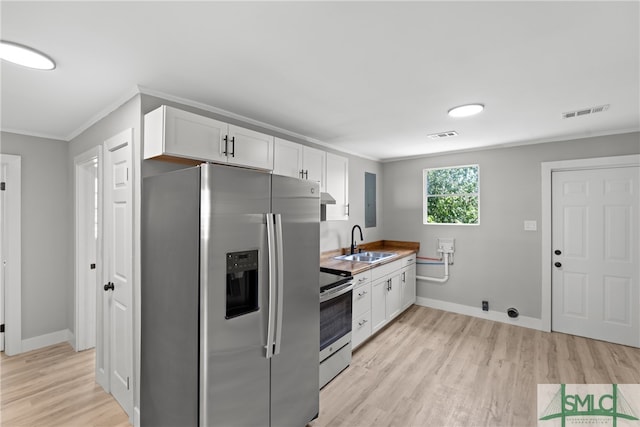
558, 264
557, 252
109, 286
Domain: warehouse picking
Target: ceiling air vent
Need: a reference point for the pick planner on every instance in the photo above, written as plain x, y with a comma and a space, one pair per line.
585, 111
442, 135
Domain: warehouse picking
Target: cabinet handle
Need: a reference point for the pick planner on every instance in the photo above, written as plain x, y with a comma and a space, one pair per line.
346, 208
306, 174
226, 145
361, 294
301, 173
362, 279
233, 146
404, 277
362, 322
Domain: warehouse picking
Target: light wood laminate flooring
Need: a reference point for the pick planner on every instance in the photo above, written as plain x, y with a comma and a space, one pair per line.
428, 368
434, 368
55, 386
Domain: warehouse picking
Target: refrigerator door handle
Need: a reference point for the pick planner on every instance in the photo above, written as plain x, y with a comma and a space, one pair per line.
272, 284
280, 282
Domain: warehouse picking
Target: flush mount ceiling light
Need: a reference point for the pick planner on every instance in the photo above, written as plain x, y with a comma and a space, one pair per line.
466, 110
25, 56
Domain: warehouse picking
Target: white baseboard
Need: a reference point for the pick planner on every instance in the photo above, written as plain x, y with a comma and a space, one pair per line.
136, 417
524, 321
46, 340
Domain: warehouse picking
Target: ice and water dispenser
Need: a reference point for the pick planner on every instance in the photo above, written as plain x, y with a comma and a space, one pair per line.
242, 283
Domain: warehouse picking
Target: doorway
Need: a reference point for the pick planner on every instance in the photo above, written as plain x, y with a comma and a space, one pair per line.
10, 262
88, 168
590, 266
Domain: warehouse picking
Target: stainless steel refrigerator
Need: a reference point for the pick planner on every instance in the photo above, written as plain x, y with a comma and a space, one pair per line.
229, 299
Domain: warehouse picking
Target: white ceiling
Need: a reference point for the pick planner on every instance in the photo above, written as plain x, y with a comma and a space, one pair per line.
373, 78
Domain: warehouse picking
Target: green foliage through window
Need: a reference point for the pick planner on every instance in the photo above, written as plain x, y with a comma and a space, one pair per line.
451, 195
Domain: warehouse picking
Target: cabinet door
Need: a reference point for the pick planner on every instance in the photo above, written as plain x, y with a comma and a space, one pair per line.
408, 285
338, 186
249, 148
191, 135
287, 158
313, 164
394, 296
378, 304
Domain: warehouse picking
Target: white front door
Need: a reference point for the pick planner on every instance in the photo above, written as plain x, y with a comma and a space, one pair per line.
117, 253
596, 262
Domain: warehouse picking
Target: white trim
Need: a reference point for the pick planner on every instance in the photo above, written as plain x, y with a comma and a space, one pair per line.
13, 272
80, 315
547, 168
136, 417
524, 321
46, 340
559, 138
119, 102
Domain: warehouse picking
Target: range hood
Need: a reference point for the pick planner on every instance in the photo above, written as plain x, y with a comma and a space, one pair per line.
327, 199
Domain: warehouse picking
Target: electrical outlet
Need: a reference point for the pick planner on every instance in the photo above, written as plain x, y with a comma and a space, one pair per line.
485, 305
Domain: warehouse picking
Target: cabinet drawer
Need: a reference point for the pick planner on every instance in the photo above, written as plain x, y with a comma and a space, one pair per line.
361, 329
361, 279
361, 299
409, 260
385, 269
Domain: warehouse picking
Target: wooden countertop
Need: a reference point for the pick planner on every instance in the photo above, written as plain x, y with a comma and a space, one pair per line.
401, 248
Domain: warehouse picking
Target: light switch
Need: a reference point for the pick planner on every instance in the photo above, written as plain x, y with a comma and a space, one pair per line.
530, 225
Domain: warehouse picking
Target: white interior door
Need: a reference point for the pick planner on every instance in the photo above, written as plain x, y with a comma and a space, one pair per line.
10, 255
118, 252
596, 262
2, 245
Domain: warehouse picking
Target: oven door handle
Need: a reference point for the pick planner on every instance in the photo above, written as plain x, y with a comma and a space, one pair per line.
336, 292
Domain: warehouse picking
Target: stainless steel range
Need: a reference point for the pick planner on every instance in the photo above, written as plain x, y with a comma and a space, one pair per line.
336, 296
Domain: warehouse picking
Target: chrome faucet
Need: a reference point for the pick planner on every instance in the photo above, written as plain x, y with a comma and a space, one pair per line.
353, 239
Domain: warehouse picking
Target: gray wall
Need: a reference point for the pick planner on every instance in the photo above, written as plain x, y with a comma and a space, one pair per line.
45, 211
497, 260
337, 234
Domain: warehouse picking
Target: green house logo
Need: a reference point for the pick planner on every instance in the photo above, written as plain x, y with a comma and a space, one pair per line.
589, 405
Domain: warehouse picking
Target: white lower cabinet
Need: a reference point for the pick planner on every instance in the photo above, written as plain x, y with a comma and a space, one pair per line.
380, 295
378, 304
386, 300
361, 327
408, 282
393, 290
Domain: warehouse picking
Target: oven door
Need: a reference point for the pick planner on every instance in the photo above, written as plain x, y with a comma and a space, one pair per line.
335, 319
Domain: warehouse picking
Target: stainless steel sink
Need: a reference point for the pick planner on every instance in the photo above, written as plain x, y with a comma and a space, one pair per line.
368, 257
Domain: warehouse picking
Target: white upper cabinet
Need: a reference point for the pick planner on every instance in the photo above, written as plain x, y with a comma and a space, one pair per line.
287, 159
313, 165
338, 186
171, 132
249, 148
299, 161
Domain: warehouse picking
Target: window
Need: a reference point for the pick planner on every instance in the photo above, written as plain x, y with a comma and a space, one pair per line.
451, 195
